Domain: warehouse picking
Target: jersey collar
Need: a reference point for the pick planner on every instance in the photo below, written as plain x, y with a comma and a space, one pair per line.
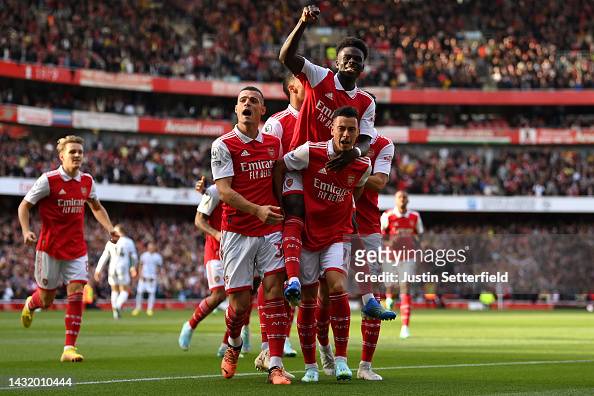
400, 214
246, 139
293, 110
66, 177
339, 86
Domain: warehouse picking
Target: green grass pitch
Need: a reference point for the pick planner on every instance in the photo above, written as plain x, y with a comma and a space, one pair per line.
449, 353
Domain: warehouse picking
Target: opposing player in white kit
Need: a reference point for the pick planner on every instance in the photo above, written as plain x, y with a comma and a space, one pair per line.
151, 265
122, 259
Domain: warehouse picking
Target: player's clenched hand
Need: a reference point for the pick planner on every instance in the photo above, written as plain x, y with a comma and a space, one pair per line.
270, 214
200, 185
342, 160
29, 238
97, 276
310, 14
217, 236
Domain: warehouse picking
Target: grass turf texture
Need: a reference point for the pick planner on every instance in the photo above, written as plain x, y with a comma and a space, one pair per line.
443, 356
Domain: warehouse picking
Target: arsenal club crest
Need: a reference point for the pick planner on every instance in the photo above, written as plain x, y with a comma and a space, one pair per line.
83, 190
272, 152
289, 182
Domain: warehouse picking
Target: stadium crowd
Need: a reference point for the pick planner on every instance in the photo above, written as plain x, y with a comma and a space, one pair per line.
450, 44
179, 162
178, 242
539, 256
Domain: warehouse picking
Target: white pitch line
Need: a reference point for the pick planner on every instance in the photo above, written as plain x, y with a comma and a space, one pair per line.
432, 366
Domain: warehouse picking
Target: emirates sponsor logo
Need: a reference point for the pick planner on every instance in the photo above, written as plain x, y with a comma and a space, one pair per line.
330, 191
258, 169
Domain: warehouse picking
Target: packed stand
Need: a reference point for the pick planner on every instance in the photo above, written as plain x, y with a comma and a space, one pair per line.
449, 44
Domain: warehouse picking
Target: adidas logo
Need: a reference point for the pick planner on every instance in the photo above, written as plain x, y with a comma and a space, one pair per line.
329, 95
323, 171
62, 192
244, 153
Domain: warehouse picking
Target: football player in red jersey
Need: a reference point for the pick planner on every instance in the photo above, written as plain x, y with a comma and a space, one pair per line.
61, 251
403, 227
242, 162
325, 91
328, 197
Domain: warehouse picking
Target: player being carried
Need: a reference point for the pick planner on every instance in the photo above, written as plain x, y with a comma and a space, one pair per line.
242, 162
61, 252
325, 91
328, 196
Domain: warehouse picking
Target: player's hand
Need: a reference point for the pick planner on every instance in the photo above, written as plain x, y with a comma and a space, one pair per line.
200, 185
97, 277
217, 236
113, 236
310, 14
343, 159
29, 238
133, 272
270, 214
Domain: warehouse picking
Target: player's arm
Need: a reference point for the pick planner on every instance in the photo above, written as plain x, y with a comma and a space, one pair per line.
266, 213
102, 217
361, 185
24, 212
104, 259
133, 254
346, 157
381, 168
288, 53
278, 177
201, 222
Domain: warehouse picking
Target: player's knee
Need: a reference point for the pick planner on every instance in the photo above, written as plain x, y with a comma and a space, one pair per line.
293, 205
309, 294
335, 282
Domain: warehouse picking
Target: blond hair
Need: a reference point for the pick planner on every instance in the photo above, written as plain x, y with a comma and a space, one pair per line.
62, 142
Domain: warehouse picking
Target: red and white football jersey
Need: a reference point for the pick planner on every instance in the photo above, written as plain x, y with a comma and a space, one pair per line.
402, 226
61, 201
282, 125
381, 153
323, 95
328, 195
211, 206
250, 162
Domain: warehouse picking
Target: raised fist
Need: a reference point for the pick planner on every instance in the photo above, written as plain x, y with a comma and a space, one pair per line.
310, 14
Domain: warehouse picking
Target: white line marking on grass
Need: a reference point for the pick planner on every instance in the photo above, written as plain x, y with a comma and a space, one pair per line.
253, 374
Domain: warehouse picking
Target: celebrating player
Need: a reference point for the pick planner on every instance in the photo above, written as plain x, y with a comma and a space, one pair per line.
61, 252
122, 259
242, 162
381, 154
325, 92
282, 125
403, 227
151, 265
328, 196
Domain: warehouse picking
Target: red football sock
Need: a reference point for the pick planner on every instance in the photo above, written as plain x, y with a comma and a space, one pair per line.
405, 309
306, 328
201, 312
276, 325
73, 317
291, 316
261, 314
35, 301
322, 322
340, 319
234, 322
292, 244
226, 337
370, 330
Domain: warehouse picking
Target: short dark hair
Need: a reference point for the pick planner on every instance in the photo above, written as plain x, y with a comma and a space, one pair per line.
252, 88
286, 81
353, 42
345, 111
